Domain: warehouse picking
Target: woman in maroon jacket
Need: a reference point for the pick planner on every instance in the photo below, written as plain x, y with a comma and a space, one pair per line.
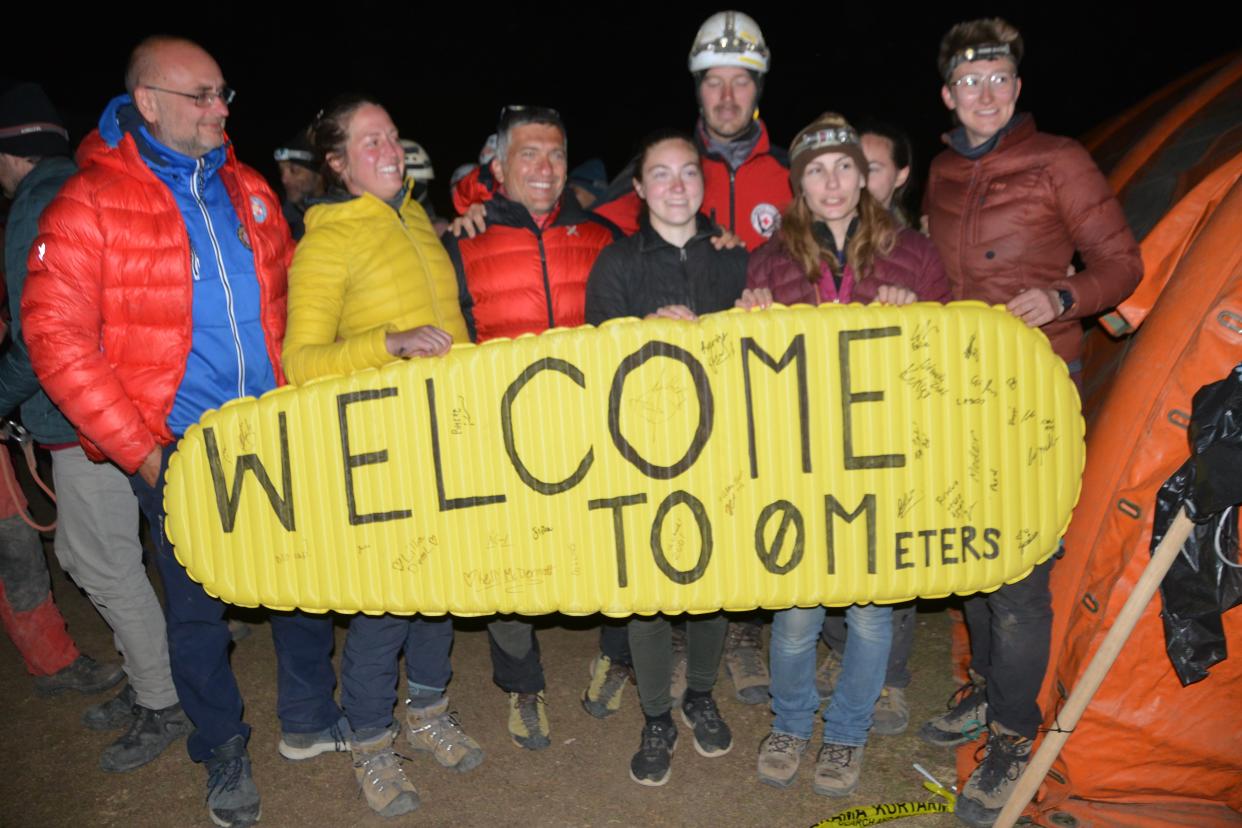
836, 244
1008, 207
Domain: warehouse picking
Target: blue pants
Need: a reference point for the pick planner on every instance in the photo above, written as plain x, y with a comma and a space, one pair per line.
369, 667
198, 650
794, 697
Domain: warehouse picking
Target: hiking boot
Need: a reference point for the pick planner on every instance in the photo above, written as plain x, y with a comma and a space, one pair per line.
837, 769
779, 756
232, 798
989, 787
602, 697
298, 746
892, 714
827, 674
965, 721
83, 675
528, 720
379, 774
745, 664
650, 766
149, 733
712, 736
114, 713
436, 731
677, 688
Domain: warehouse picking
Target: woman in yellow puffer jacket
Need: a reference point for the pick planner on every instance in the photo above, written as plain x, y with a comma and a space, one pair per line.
369, 273
371, 283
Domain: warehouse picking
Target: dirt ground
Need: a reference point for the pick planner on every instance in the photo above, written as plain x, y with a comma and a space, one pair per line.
50, 774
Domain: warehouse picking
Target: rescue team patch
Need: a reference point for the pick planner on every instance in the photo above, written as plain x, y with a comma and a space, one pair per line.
765, 218
258, 209
774, 458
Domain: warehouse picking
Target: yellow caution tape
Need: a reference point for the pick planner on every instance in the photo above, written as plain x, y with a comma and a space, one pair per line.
787, 457
889, 811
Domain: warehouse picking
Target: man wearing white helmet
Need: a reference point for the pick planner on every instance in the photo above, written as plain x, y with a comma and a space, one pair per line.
745, 178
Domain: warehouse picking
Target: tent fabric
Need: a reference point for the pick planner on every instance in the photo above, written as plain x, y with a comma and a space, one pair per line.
1148, 751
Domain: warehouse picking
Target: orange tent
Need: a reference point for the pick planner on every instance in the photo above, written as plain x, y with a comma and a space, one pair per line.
1148, 751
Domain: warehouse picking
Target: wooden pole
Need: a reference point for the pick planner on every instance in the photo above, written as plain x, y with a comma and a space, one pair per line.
1094, 675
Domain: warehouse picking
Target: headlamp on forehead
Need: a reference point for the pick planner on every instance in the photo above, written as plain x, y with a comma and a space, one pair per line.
980, 51
729, 38
735, 43
823, 138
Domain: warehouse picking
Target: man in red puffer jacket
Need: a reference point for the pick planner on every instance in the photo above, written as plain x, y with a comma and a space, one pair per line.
156, 291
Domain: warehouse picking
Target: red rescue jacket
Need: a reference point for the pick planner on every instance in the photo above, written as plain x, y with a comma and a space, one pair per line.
106, 308
516, 278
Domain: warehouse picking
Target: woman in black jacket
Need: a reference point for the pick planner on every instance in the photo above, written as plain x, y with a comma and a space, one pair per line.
669, 269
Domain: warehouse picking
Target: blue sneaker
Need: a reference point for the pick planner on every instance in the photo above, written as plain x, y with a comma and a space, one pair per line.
299, 746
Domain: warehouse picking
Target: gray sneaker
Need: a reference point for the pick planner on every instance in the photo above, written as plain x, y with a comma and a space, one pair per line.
83, 675
299, 746
149, 733
779, 756
837, 769
232, 798
115, 713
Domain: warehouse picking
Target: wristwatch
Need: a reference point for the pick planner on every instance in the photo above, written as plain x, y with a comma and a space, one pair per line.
1067, 301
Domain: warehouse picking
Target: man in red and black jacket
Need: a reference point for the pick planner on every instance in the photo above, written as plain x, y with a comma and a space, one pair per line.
525, 273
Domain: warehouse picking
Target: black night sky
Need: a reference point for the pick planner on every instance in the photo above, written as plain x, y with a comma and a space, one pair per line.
615, 70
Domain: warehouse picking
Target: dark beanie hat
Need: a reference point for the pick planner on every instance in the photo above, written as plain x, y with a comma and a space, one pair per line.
828, 133
297, 150
29, 124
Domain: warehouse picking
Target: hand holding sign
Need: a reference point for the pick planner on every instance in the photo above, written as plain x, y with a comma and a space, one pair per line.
803, 456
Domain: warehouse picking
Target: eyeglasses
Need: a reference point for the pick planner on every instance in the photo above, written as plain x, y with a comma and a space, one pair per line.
969, 86
202, 99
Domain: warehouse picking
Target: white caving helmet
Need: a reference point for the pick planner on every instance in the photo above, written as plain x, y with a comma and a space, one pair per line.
417, 161
729, 38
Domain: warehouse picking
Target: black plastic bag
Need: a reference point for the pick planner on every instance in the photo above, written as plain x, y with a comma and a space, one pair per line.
1206, 578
